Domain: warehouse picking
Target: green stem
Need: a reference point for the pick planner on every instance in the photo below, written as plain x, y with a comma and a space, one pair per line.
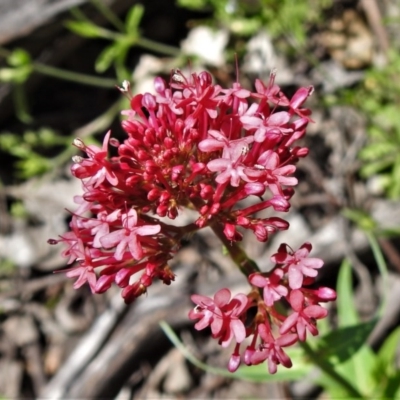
238, 255
109, 14
66, 75
21, 104
329, 370
74, 76
158, 47
188, 355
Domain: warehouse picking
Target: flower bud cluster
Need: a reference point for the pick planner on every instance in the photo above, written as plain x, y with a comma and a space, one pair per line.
193, 144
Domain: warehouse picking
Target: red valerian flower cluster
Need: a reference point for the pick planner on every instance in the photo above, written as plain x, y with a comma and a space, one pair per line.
198, 146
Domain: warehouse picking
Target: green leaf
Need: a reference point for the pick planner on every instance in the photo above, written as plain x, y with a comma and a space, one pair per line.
358, 368
341, 344
15, 75
376, 151
375, 167
19, 57
32, 166
394, 188
347, 314
192, 4
133, 19
363, 220
386, 356
84, 29
392, 388
106, 58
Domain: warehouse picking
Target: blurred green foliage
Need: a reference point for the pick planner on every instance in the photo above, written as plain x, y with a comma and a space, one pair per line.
247, 17
378, 98
122, 40
28, 148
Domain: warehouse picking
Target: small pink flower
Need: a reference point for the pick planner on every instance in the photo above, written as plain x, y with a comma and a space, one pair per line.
273, 289
96, 167
271, 349
222, 314
271, 128
304, 317
297, 263
84, 273
128, 236
271, 92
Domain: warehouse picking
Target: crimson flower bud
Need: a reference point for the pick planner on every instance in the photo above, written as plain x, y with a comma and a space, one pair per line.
176, 172
149, 101
159, 85
325, 294
254, 188
229, 231
162, 210
146, 280
215, 208
122, 277
206, 191
153, 195
300, 151
169, 143
248, 354
131, 292
234, 362
104, 283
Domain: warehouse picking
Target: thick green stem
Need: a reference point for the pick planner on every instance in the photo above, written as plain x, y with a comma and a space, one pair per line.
239, 256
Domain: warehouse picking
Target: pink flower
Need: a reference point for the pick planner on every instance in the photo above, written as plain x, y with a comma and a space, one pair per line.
84, 273
222, 314
273, 289
271, 128
129, 236
272, 174
230, 164
297, 263
304, 317
271, 349
270, 93
96, 167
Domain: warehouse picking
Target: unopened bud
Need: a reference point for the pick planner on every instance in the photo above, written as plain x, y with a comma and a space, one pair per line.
77, 159
78, 143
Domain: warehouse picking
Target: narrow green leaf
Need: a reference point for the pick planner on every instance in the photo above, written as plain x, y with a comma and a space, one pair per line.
347, 314
106, 58
133, 19
341, 344
84, 29
392, 388
386, 354
363, 220
373, 168
358, 368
